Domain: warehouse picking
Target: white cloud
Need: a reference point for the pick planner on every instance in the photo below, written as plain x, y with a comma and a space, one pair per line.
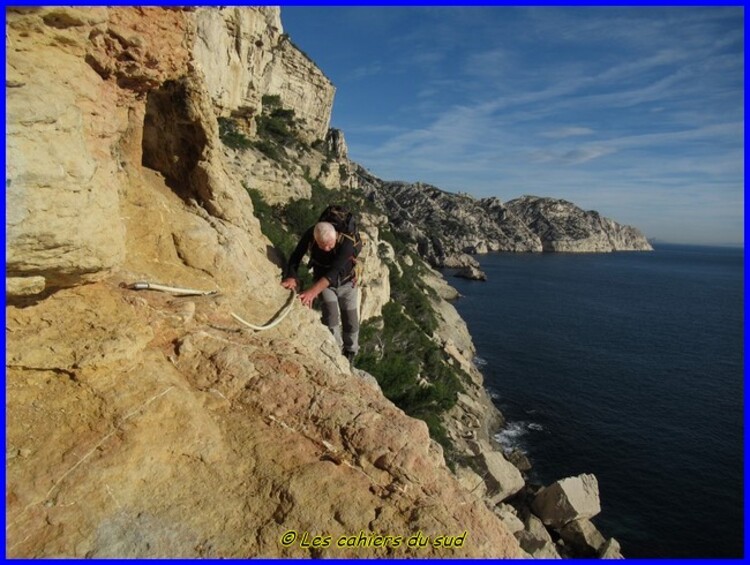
560, 133
364, 71
575, 156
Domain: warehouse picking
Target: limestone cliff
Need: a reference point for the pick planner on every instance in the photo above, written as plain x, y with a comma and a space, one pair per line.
444, 226
563, 226
243, 55
146, 424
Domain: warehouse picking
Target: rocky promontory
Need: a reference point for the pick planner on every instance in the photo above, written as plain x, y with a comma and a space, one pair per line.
562, 226
444, 225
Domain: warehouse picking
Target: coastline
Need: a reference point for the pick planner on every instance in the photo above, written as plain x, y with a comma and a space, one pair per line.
498, 477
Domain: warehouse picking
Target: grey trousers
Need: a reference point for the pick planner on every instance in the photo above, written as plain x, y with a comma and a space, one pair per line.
342, 299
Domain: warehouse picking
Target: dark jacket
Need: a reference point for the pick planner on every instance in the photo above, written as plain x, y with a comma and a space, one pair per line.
336, 265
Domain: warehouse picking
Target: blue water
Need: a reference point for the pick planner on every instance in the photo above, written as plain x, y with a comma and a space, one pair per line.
628, 366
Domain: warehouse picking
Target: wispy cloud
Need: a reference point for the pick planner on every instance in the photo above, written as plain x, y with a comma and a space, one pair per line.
574, 156
371, 69
560, 133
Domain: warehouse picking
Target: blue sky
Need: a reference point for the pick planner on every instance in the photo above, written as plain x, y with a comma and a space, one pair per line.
635, 112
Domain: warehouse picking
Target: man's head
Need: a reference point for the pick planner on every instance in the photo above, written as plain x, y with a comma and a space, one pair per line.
325, 236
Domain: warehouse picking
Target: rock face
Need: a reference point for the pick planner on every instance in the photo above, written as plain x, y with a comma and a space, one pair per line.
374, 283
562, 226
62, 134
146, 424
142, 424
444, 226
336, 144
244, 55
233, 49
189, 440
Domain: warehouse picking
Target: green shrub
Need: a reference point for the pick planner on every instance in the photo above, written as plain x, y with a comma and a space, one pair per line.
270, 150
396, 242
279, 129
397, 355
270, 224
406, 289
230, 136
271, 101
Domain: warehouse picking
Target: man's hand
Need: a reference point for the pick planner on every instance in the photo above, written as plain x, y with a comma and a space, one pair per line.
290, 283
312, 293
308, 296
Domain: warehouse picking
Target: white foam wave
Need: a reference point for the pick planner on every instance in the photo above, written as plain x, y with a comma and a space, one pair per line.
512, 436
479, 362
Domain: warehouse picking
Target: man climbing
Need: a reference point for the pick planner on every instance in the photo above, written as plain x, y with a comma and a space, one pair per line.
332, 256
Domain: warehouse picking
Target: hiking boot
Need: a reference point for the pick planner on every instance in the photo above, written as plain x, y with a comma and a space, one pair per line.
350, 357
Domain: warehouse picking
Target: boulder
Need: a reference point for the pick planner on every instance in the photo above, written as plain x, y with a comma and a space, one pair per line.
507, 514
610, 550
503, 479
535, 527
472, 482
583, 537
568, 499
472, 273
537, 548
520, 460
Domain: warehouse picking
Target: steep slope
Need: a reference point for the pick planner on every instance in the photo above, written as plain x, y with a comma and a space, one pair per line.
142, 424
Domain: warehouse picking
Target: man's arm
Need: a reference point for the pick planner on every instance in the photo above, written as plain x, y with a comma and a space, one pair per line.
312, 293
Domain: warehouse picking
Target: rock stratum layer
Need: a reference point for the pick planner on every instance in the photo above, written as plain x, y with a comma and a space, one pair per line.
142, 424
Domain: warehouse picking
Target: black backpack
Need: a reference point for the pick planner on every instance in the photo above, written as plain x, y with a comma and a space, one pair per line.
345, 224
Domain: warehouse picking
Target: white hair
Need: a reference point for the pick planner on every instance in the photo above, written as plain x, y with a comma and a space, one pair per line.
324, 232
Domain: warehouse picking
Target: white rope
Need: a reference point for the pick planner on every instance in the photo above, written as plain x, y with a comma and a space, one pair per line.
283, 314
145, 285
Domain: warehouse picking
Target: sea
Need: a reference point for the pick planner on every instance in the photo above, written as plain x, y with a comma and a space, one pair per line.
630, 366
